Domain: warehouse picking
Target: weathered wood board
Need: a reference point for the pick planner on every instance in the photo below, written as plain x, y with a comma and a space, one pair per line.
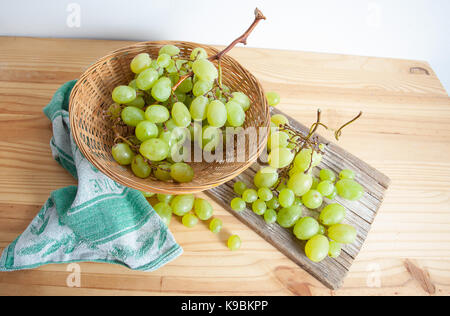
360, 214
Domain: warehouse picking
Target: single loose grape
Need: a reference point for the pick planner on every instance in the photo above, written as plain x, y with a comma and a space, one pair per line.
332, 214
347, 174
270, 216
170, 50
237, 204
132, 115
342, 233
216, 113
181, 115
234, 242
242, 99
280, 157
250, 195
349, 189
198, 108
164, 198
266, 177
164, 211
325, 187
146, 130
189, 220
279, 119
265, 194
154, 149
140, 62
182, 204
157, 114
205, 70
312, 199
147, 79
288, 216
327, 174
162, 171
300, 183
181, 172
273, 203
259, 207
286, 197
215, 225
273, 98
147, 194
140, 167
306, 228
239, 187
335, 249
203, 209
122, 153
317, 248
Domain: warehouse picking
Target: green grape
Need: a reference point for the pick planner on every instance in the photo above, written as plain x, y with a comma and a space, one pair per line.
198, 53
216, 113
164, 198
280, 157
347, 174
162, 89
327, 174
198, 108
186, 86
181, 115
342, 233
239, 187
154, 149
155, 66
147, 194
157, 114
325, 187
250, 195
315, 183
139, 102
202, 87
332, 214
312, 199
215, 225
170, 125
170, 50
259, 207
203, 209
349, 189
180, 96
235, 114
140, 167
147, 79
172, 69
317, 248
189, 220
133, 84
333, 195
167, 137
181, 172
266, 177
298, 201
234, 242
211, 137
132, 115
270, 216
182, 204
174, 77
335, 249
237, 204
303, 159
286, 197
322, 230
273, 203
123, 94
300, 183
279, 119
306, 228
140, 62
288, 216
278, 139
265, 194
163, 60
122, 153
162, 171
114, 110
273, 98
146, 130
242, 99
205, 70
164, 211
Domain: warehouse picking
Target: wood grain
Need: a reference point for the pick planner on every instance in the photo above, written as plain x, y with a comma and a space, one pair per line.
405, 133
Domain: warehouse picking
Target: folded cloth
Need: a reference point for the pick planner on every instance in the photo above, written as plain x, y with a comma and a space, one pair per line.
98, 221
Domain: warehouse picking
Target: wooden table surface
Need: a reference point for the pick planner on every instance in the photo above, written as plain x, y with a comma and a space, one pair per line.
405, 133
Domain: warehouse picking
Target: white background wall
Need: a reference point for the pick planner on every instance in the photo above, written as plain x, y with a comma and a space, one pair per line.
410, 29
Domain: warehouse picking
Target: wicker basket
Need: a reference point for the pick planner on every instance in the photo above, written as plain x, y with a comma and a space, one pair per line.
94, 136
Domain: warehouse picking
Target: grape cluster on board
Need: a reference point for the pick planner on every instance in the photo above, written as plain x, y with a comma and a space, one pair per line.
288, 185
163, 108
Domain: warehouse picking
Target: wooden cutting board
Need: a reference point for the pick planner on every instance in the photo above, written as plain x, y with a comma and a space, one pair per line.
360, 214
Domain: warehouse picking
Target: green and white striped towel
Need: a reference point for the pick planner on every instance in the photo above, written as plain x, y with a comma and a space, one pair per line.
98, 221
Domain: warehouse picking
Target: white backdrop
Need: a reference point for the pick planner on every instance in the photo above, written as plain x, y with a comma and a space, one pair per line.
410, 29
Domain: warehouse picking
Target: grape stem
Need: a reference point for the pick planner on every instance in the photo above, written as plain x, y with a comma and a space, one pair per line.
241, 39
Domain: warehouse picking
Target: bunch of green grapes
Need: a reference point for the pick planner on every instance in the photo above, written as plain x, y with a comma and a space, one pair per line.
191, 210
288, 185
172, 102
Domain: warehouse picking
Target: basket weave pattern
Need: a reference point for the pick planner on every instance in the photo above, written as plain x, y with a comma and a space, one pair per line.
91, 96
